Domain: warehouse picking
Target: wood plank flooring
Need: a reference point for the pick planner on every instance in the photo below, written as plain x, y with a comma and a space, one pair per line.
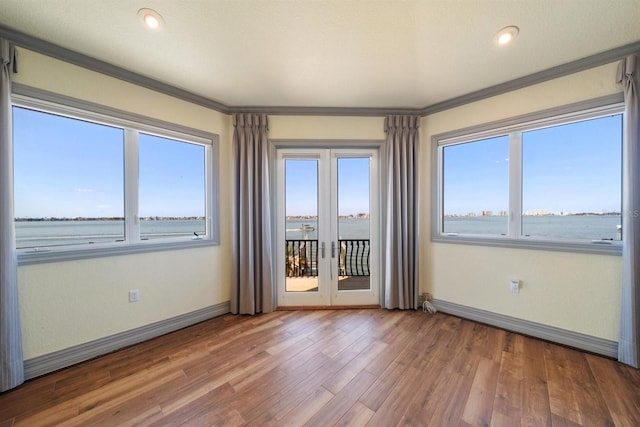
334, 367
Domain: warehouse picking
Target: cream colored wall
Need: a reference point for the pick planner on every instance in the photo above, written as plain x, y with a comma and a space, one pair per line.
68, 303
326, 128
572, 291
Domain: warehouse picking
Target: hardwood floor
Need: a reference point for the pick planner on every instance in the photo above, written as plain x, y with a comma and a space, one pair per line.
334, 367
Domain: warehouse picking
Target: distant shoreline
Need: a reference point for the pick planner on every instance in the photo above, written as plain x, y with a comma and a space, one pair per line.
312, 217
477, 215
165, 218
114, 218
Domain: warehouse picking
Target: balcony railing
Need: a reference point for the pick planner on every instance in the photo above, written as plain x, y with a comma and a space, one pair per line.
302, 257
354, 257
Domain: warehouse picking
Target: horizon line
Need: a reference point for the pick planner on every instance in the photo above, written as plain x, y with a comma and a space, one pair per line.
106, 218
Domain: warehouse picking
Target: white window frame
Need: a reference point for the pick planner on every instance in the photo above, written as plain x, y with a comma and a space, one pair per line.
132, 125
513, 128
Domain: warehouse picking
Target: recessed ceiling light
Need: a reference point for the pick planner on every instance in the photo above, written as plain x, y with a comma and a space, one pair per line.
506, 35
150, 18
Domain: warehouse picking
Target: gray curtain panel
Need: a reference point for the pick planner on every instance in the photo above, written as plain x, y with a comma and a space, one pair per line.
400, 252
252, 287
11, 362
629, 340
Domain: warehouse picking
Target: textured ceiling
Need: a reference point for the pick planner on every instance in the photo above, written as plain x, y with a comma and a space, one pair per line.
330, 53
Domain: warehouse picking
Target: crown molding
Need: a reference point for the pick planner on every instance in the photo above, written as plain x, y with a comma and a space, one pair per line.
583, 64
47, 48
326, 111
58, 52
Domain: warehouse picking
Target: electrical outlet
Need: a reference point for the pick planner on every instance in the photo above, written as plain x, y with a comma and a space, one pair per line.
515, 286
134, 295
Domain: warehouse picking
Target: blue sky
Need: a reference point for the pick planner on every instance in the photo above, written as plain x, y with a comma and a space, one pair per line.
169, 182
353, 185
574, 168
301, 187
70, 168
302, 180
476, 176
571, 168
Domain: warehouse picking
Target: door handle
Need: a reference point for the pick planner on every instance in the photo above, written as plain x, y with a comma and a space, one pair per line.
322, 249
333, 249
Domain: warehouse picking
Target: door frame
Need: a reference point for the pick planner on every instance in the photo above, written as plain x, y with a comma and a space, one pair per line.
376, 203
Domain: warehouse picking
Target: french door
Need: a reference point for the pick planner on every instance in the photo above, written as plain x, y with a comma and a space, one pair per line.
327, 227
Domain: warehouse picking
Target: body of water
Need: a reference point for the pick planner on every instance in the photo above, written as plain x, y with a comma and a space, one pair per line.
574, 227
347, 229
34, 234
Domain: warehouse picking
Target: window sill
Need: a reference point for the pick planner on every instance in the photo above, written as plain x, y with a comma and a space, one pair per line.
600, 248
47, 255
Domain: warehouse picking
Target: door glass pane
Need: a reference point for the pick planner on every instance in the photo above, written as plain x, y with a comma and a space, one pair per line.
353, 223
301, 225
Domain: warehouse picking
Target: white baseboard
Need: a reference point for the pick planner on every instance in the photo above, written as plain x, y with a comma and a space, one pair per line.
561, 336
70, 356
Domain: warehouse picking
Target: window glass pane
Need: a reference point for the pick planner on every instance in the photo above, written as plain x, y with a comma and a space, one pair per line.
68, 180
172, 188
571, 180
476, 187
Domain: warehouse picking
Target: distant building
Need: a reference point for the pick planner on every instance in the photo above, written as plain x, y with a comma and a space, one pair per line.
537, 212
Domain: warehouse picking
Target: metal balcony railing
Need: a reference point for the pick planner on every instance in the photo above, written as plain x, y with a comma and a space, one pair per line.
302, 257
354, 257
